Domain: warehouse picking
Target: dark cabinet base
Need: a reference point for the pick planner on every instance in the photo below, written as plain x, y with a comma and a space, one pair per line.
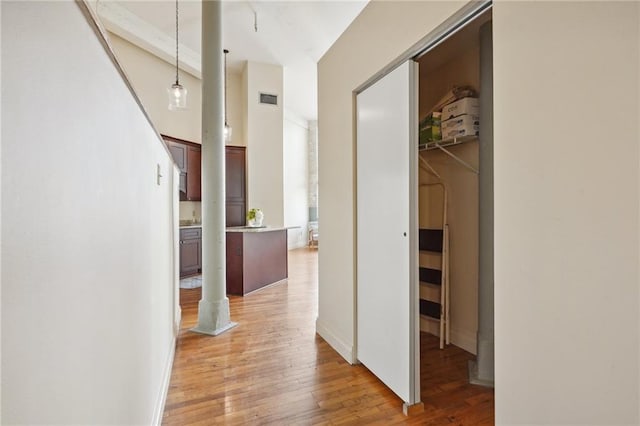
255, 260
190, 252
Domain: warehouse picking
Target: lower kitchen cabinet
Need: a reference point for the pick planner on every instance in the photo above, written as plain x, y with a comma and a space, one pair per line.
256, 258
190, 251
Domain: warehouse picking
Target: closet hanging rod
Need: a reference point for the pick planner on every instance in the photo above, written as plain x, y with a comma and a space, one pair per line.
459, 160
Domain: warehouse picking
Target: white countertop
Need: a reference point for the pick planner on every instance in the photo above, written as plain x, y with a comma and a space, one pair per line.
245, 228
195, 225
256, 228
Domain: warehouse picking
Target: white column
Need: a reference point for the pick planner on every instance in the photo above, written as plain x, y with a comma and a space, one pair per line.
481, 371
213, 309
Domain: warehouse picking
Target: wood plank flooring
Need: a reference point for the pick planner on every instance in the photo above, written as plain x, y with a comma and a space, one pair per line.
273, 369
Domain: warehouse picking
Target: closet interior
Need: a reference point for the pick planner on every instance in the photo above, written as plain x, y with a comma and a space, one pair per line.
448, 189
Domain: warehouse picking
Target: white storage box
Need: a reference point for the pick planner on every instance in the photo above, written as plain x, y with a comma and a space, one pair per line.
469, 106
463, 125
461, 120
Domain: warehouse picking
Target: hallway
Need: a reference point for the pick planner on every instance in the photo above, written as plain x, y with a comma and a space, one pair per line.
273, 369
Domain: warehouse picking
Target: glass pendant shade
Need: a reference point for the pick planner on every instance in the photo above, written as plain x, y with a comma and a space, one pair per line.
177, 93
177, 97
227, 129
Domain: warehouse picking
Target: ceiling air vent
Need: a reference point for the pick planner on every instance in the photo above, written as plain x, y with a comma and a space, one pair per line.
268, 99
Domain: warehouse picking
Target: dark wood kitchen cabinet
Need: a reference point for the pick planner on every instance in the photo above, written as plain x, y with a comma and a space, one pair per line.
194, 174
179, 153
188, 157
236, 186
255, 258
190, 251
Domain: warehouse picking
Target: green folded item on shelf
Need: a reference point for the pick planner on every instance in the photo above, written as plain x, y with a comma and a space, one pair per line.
430, 134
432, 119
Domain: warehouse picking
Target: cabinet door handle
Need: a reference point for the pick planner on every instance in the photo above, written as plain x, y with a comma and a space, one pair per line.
181, 242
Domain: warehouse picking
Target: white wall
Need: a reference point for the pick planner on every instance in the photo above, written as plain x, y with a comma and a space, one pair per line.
379, 34
566, 213
150, 77
0, 223
191, 209
87, 282
566, 285
296, 179
264, 133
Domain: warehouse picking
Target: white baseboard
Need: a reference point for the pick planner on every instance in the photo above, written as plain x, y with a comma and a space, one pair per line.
428, 326
343, 349
296, 245
178, 322
158, 412
460, 338
464, 339
297, 237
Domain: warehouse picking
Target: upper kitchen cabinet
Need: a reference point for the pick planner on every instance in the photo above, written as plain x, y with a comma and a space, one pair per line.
194, 174
179, 153
236, 187
187, 157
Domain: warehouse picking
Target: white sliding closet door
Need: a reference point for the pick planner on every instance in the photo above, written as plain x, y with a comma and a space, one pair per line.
387, 320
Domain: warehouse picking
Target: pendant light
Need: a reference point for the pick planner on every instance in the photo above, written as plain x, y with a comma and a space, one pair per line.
227, 128
177, 93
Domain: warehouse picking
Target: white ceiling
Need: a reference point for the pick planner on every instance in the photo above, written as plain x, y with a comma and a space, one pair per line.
294, 34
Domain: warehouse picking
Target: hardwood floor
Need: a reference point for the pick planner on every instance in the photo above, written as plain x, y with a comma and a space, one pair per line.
273, 369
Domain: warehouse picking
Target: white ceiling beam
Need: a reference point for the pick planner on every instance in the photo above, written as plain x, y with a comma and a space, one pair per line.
130, 27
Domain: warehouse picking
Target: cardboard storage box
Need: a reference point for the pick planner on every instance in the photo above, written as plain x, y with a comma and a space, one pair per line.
461, 120
463, 125
469, 106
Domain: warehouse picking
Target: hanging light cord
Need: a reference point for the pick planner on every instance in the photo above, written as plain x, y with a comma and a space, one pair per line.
177, 81
225, 86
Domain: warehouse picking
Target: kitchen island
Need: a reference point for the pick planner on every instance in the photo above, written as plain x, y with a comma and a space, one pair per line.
256, 258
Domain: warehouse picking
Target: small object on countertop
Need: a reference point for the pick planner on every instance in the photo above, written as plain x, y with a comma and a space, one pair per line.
255, 217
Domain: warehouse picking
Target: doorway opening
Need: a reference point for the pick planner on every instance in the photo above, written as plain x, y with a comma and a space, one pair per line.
427, 270
455, 195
